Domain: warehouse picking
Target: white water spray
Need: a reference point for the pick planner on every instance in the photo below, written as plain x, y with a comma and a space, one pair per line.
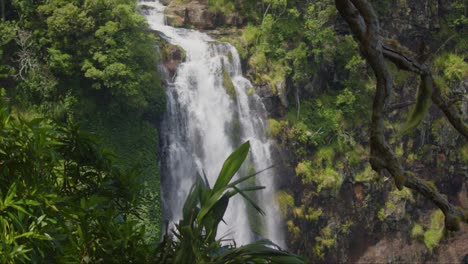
204, 124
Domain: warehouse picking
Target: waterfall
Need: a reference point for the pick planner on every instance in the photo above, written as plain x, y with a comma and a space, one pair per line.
211, 110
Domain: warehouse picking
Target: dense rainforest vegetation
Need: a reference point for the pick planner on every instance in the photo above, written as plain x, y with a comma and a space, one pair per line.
81, 99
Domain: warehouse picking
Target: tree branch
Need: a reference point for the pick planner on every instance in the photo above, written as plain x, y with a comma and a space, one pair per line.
374, 49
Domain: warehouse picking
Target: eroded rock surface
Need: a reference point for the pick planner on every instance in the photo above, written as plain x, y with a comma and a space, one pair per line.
197, 14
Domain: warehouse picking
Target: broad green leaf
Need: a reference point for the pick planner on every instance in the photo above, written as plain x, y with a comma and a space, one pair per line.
191, 201
254, 205
216, 214
231, 166
236, 182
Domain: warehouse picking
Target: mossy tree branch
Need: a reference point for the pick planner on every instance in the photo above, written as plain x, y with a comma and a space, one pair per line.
364, 24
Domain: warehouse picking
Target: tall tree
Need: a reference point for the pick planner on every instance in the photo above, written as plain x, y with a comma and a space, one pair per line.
364, 23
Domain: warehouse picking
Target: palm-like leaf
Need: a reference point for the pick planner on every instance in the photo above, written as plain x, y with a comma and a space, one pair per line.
203, 210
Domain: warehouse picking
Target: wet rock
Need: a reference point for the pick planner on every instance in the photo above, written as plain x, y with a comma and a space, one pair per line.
197, 14
174, 56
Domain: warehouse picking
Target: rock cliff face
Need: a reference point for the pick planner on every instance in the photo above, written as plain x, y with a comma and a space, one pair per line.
391, 236
198, 14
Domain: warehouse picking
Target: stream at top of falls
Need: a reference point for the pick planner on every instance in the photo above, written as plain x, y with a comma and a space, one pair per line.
204, 123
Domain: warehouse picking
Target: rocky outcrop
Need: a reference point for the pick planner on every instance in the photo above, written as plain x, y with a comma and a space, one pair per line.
171, 55
198, 14
396, 249
271, 101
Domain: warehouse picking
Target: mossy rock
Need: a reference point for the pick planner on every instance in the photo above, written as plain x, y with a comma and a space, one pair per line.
229, 85
435, 232
230, 57
417, 231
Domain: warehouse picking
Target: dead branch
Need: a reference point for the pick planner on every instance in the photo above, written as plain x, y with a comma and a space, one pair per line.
25, 56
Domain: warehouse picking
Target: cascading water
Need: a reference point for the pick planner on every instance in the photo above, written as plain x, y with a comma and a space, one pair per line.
212, 110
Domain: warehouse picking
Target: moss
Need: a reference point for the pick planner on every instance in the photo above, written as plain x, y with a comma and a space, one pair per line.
230, 57
324, 156
229, 85
453, 67
304, 169
298, 212
356, 155
412, 157
329, 178
435, 232
381, 214
274, 127
345, 228
285, 200
326, 240
417, 231
395, 201
367, 175
464, 153
403, 194
236, 130
313, 214
431, 185
324, 178
292, 228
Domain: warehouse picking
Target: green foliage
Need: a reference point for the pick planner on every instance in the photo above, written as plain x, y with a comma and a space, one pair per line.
395, 203
326, 240
87, 48
195, 240
274, 127
319, 31
293, 229
381, 214
7, 34
324, 178
345, 228
61, 197
79, 59
313, 214
345, 102
135, 143
285, 201
221, 6
403, 194
229, 85
367, 175
452, 66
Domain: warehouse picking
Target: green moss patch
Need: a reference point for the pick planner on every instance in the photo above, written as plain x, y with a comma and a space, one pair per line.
229, 85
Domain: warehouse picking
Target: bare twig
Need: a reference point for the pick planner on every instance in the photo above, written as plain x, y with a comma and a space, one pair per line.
25, 55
